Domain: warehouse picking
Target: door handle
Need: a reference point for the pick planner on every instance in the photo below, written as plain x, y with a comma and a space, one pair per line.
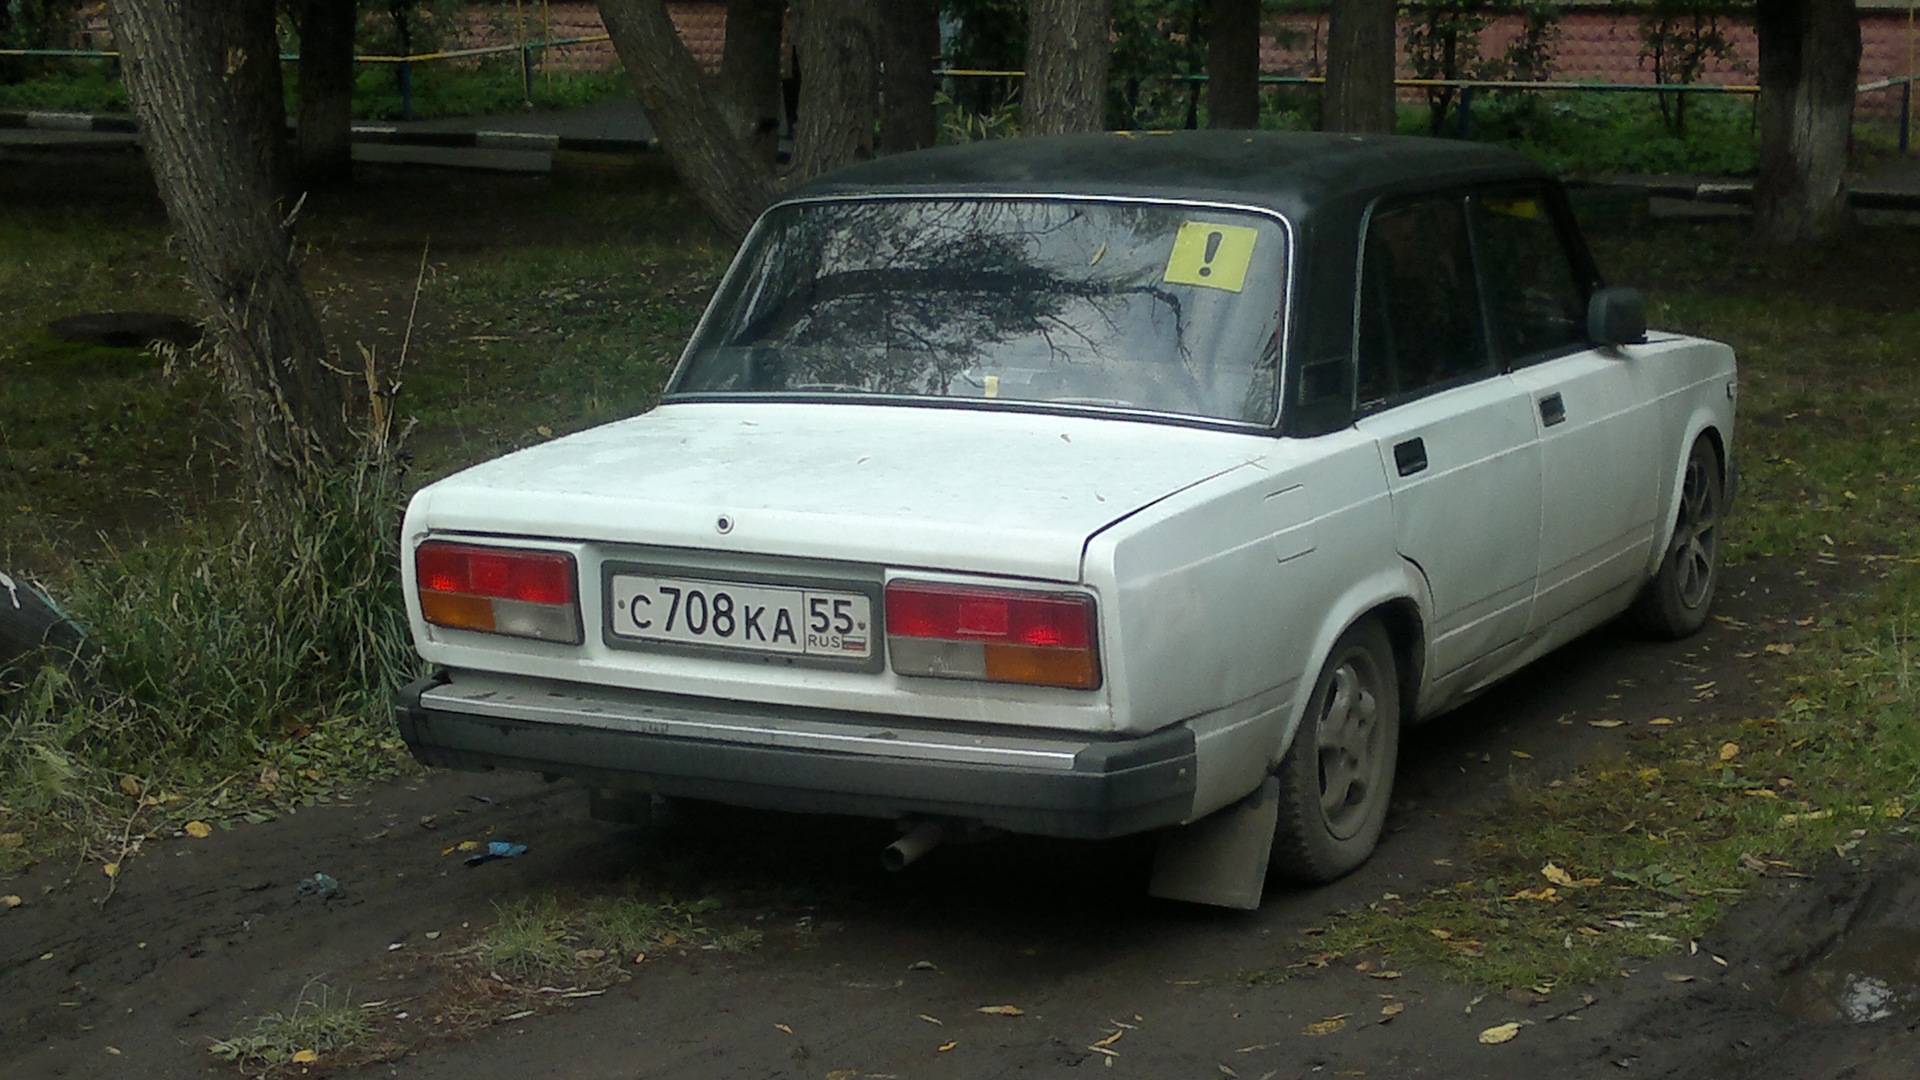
1553, 410
1410, 457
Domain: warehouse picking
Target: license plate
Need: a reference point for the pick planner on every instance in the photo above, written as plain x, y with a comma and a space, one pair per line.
730, 614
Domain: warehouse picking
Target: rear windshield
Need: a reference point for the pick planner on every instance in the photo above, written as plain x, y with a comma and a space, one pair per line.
1108, 305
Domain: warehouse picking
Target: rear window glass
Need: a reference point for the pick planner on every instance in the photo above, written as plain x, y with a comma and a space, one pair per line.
1133, 306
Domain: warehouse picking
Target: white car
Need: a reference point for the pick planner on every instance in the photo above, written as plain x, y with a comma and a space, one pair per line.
1086, 486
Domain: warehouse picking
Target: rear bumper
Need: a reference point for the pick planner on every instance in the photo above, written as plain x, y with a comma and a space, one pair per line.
804, 760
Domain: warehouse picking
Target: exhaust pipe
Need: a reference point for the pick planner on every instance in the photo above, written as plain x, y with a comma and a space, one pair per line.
921, 839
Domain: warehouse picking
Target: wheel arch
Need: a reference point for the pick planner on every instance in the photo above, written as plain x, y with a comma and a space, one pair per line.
1395, 597
1702, 427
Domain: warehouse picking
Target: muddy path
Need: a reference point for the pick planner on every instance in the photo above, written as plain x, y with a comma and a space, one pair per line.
864, 974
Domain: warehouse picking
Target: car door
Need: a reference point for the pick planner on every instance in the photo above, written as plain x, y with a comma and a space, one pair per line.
1455, 435
1599, 458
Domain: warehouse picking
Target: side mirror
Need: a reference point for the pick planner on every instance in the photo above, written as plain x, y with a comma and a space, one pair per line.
1617, 317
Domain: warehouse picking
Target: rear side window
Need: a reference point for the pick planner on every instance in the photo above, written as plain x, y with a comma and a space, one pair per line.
1537, 299
1420, 326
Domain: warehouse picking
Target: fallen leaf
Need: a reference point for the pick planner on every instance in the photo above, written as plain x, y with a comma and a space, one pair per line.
1661, 721
922, 965
10, 901
1521, 754
1001, 1010
1499, 1033
1441, 934
1389, 974
1109, 1055
13, 840
1111, 1039
784, 1028
1780, 648
1729, 751
948, 1045
1556, 875
669, 939
1606, 723
130, 785
1545, 894
304, 1057
467, 845
1226, 1071
934, 1020
112, 869
1328, 1026
199, 830
1679, 977
1392, 1009
545, 431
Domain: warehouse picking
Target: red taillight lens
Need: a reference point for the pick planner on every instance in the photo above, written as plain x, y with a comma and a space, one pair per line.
1059, 620
537, 577
998, 635
499, 590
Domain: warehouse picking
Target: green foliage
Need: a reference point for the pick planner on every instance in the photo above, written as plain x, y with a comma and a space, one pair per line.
89, 86
1587, 134
443, 88
1678, 39
1443, 42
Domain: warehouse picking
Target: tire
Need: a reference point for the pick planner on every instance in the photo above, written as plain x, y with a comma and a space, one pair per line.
1337, 777
1674, 603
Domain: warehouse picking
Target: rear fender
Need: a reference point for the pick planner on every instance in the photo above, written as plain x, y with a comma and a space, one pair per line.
1401, 586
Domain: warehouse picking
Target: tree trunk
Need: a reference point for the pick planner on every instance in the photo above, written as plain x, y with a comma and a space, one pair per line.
909, 45
1361, 50
323, 142
721, 173
1067, 46
204, 84
1233, 64
837, 46
1809, 61
750, 73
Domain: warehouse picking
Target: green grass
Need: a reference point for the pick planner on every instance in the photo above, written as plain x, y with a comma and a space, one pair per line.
317, 1027
548, 340
588, 940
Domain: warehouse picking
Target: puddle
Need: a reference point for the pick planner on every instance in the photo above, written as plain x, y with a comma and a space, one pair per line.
1861, 981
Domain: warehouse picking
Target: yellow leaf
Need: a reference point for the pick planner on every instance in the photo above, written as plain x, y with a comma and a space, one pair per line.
1499, 1033
1113, 1038
946, 1046
466, 845
1001, 1010
1556, 875
1544, 894
1522, 754
199, 830
1326, 1027
1729, 751
545, 431
1384, 975
1661, 721
1780, 648
13, 840
1441, 934
130, 785
784, 1028
1392, 1009
10, 901
1606, 723
112, 869
304, 1057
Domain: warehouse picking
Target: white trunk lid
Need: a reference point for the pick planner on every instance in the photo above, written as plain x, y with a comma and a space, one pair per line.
1011, 493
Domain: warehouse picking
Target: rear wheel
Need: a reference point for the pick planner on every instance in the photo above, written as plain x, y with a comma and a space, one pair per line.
1674, 603
1337, 777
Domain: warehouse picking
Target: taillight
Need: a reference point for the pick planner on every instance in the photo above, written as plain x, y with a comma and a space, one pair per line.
499, 590
997, 635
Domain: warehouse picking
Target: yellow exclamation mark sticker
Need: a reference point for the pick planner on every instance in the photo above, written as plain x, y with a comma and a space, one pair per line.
1213, 256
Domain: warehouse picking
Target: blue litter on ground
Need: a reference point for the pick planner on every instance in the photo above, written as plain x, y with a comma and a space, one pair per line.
497, 849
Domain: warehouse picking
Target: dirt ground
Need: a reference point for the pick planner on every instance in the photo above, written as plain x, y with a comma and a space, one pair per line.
857, 965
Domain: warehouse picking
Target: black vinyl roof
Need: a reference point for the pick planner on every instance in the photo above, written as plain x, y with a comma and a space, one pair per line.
1290, 172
